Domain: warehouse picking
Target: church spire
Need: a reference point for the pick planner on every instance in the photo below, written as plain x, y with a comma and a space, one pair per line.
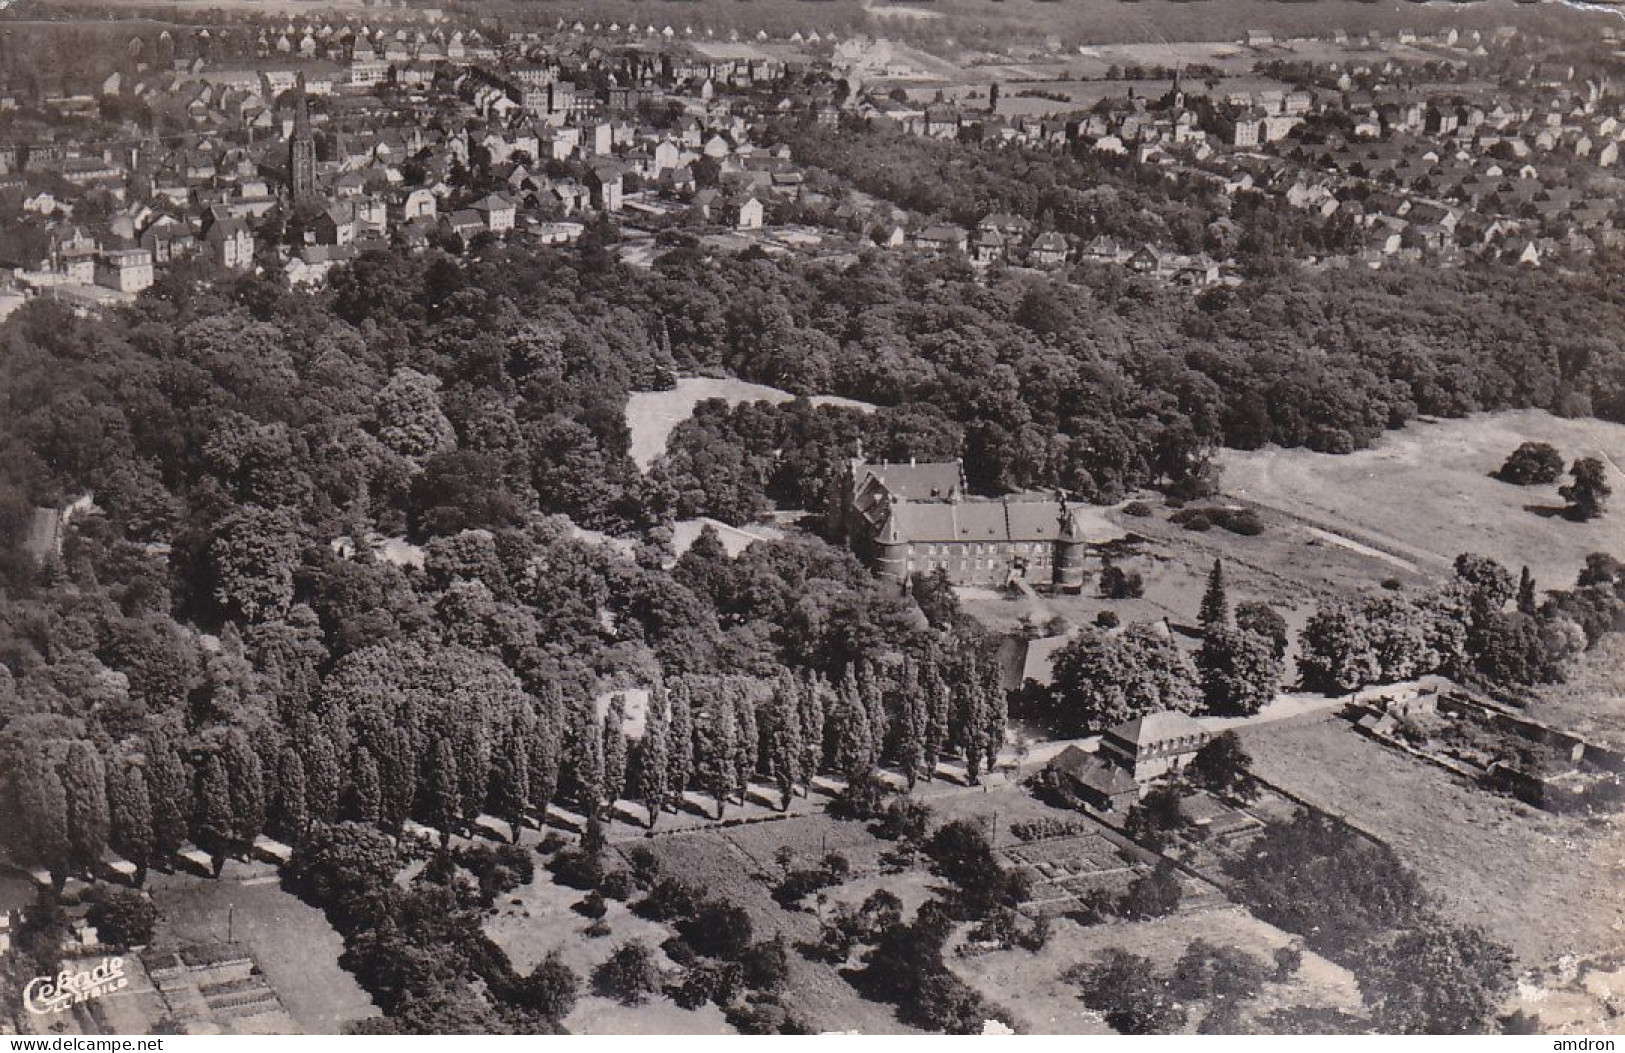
301, 148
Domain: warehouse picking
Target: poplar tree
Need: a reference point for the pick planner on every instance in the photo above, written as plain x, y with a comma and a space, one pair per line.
854, 744
680, 752
995, 713
546, 733
787, 750
585, 751
716, 730
747, 738
246, 783
364, 800
1215, 613
169, 789
129, 812
84, 783
1526, 592
442, 801
615, 749
939, 703
871, 690
654, 754
322, 775
42, 804
292, 808
510, 780
811, 698
214, 827
911, 711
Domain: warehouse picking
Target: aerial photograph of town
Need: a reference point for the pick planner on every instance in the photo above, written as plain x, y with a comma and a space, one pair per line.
811, 517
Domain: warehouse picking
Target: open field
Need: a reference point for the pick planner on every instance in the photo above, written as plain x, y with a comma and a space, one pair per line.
651, 415
1424, 494
1030, 986
292, 942
1545, 885
536, 919
715, 862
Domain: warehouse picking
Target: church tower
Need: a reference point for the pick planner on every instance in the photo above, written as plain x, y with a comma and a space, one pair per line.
301, 149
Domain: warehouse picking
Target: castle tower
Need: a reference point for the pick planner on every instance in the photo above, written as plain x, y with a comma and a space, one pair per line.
1070, 551
301, 149
890, 555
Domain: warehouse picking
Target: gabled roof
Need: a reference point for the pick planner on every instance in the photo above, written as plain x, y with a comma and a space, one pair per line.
913, 482
1093, 772
1156, 727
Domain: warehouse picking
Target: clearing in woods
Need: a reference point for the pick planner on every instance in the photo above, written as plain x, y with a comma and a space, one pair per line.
652, 415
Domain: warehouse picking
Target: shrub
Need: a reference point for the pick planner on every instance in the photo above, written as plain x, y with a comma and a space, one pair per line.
1137, 508
670, 899
1048, 826
618, 884
1108, 620
1197, 519
122, 917
629, 975
1119, 584
1243, 521
591, 905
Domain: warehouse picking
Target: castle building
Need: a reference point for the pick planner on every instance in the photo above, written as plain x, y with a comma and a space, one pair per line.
903, 519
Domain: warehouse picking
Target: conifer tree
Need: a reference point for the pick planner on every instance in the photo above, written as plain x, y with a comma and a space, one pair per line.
1526, 592
1215, 613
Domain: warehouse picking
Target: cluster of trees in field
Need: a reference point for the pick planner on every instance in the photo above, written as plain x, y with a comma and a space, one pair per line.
1105, 676
1483, 622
